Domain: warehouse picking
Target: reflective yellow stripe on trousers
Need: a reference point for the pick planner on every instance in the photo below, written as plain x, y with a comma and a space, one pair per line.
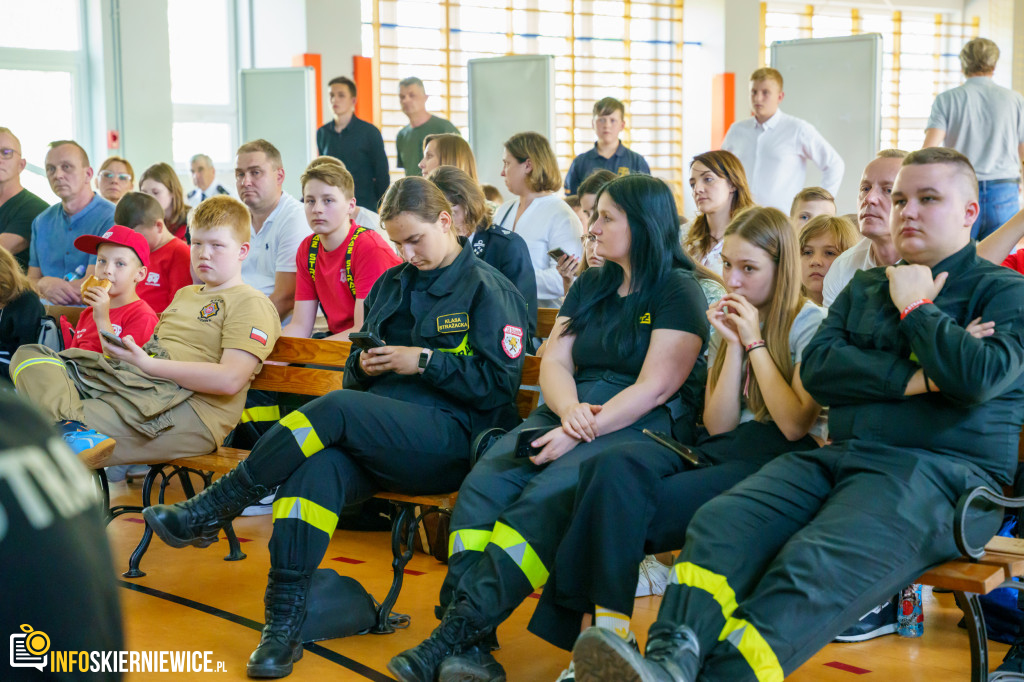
302, 509
304, 433
740, 633
516, 546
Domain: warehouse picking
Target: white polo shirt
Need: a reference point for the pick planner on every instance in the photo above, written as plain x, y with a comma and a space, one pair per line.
547, 224
273, 248
857, 257
775, 155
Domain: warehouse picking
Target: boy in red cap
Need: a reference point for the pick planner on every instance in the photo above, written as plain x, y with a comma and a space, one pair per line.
122, 259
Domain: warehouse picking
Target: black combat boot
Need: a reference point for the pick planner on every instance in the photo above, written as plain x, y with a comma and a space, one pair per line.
197, 521
461, 628
673, 655
281, 642
474, 664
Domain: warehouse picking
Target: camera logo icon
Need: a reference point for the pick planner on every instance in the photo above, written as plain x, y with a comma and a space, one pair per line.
29, 648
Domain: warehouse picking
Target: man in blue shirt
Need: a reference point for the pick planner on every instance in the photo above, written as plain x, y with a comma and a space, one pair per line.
356, 143
52, 254
608, 152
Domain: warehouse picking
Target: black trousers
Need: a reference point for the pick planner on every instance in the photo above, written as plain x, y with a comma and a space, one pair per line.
776, 567
342, 448
511, 514
635, 501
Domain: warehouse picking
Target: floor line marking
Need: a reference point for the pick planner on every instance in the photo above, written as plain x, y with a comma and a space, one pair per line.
333, 656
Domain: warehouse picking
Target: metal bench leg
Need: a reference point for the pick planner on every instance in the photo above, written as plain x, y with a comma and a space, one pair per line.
406, 514
235, 552
147, 534
970, 604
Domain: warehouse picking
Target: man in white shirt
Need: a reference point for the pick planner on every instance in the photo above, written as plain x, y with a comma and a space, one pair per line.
876, 248
985, 123
278, 223
774, 147
203, 177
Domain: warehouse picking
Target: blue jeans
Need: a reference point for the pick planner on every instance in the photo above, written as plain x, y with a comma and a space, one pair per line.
999, 201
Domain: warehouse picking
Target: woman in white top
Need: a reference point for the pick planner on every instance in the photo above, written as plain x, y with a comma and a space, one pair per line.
537, 214
720, 191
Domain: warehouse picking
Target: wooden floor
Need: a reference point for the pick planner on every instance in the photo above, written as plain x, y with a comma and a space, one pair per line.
192, 600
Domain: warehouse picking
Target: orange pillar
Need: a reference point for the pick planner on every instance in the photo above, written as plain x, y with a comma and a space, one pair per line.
723, 106
362, 75
313, 60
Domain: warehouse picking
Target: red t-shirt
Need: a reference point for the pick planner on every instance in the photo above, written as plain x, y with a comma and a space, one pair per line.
178, 230
135, 319
1015, 261
169, 270
371, 256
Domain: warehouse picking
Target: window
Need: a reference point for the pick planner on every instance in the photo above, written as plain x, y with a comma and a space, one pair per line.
629, 49
203, 81
44, 81
919, 55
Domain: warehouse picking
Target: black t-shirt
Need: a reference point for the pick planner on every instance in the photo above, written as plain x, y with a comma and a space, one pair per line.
19, 324
56, 575
679, 304
16, 216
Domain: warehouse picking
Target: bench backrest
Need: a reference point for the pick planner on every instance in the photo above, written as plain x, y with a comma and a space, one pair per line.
327, 358
71, 312
545, 322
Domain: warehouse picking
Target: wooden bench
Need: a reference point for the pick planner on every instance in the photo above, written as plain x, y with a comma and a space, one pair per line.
312, 381
979, 571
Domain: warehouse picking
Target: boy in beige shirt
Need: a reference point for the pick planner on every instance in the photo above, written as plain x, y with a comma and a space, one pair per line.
180, 394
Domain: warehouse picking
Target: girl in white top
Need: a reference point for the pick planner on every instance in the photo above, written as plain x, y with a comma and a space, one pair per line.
537, 214
720, 191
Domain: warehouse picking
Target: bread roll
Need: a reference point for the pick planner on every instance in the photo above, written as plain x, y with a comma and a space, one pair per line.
94, 281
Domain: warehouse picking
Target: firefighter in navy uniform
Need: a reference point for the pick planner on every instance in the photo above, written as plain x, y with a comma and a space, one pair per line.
920, 412
455, 330
626, 354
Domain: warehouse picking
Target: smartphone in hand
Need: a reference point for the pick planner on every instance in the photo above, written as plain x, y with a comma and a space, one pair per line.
366, 340
556, 254
113, 340
527, 436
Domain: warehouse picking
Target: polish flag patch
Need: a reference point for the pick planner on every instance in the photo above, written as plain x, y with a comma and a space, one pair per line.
512, 341
258, 335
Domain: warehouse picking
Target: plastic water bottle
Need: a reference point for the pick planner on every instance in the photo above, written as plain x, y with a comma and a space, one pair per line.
77, 274
910, 613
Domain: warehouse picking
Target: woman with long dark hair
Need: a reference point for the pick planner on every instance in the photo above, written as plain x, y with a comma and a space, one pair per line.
626, 354
755, 408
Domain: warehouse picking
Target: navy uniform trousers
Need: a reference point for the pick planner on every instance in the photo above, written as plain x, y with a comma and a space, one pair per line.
639, 500
341, 449
511, 514
817, 538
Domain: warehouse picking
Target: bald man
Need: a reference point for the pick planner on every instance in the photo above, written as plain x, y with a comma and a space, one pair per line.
18, 206
54, 264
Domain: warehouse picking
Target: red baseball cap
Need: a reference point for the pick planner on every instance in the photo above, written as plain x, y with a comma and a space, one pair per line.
120, 235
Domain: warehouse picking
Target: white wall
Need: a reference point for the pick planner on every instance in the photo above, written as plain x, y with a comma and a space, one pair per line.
334, 30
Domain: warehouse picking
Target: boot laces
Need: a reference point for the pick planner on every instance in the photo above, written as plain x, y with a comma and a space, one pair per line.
664, 642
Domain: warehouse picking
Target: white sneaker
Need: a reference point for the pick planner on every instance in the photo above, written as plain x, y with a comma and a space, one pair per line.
261, 508
568, 675
653, 577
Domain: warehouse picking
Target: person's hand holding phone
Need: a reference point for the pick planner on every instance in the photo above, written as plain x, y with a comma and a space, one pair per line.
398, 359
553, 445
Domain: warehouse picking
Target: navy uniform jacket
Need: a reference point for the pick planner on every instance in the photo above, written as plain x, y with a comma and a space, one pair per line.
509, 254
474, 319
862, 357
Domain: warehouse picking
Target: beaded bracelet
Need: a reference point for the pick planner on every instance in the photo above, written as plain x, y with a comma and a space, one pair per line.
914, 306
755, 345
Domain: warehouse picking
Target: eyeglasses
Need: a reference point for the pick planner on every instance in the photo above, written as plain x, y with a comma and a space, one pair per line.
110, 175
7, 153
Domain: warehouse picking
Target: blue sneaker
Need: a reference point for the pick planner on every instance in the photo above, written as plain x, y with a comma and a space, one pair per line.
91, 447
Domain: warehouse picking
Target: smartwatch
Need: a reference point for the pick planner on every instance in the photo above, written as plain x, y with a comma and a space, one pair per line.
424, 359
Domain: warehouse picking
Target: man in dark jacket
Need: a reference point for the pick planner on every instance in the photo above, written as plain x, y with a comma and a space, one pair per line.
920, 412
